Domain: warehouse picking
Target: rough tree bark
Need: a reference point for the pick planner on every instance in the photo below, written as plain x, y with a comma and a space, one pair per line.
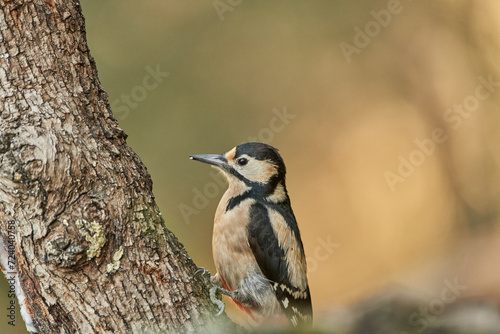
76, 204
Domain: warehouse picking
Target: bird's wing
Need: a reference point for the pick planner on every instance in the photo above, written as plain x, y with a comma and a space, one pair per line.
281, 259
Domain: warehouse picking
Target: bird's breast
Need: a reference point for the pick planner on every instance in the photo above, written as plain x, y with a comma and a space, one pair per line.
233, 256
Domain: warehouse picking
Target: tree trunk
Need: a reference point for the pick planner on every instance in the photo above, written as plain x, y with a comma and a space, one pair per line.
81, 235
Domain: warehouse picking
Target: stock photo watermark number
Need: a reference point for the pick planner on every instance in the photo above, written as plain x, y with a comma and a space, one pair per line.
10, 271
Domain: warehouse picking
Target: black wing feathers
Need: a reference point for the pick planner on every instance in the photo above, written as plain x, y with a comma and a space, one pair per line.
272, 261
264, 244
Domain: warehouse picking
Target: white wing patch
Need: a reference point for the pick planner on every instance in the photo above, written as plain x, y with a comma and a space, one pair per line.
296, 263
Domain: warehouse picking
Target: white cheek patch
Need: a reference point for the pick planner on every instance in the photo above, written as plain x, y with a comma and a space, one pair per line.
258, 170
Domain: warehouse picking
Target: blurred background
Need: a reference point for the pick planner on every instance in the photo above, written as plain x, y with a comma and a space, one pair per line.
385, 112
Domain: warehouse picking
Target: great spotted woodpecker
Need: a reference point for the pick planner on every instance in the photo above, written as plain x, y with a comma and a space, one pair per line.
256, 242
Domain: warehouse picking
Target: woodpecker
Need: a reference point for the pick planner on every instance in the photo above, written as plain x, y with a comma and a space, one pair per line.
256, 244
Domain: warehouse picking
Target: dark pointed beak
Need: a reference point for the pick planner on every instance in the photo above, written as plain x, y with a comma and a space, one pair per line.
213, 159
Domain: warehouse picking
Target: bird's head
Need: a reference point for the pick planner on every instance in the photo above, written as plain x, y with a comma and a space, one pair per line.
259, 166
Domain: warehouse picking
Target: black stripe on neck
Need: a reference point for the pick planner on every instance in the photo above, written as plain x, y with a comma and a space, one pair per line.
235, 201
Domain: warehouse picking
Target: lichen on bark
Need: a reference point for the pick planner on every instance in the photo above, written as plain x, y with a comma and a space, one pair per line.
80, 198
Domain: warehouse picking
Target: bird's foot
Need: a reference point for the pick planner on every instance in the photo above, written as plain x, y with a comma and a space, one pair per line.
215, 288
213, 298
203, 272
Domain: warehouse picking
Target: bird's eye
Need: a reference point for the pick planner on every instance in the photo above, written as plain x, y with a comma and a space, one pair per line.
242, 161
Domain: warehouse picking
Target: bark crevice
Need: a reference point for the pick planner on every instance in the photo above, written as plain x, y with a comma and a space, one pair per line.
93, 251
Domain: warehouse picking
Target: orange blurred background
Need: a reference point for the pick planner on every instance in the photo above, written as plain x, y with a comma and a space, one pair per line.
385, 112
